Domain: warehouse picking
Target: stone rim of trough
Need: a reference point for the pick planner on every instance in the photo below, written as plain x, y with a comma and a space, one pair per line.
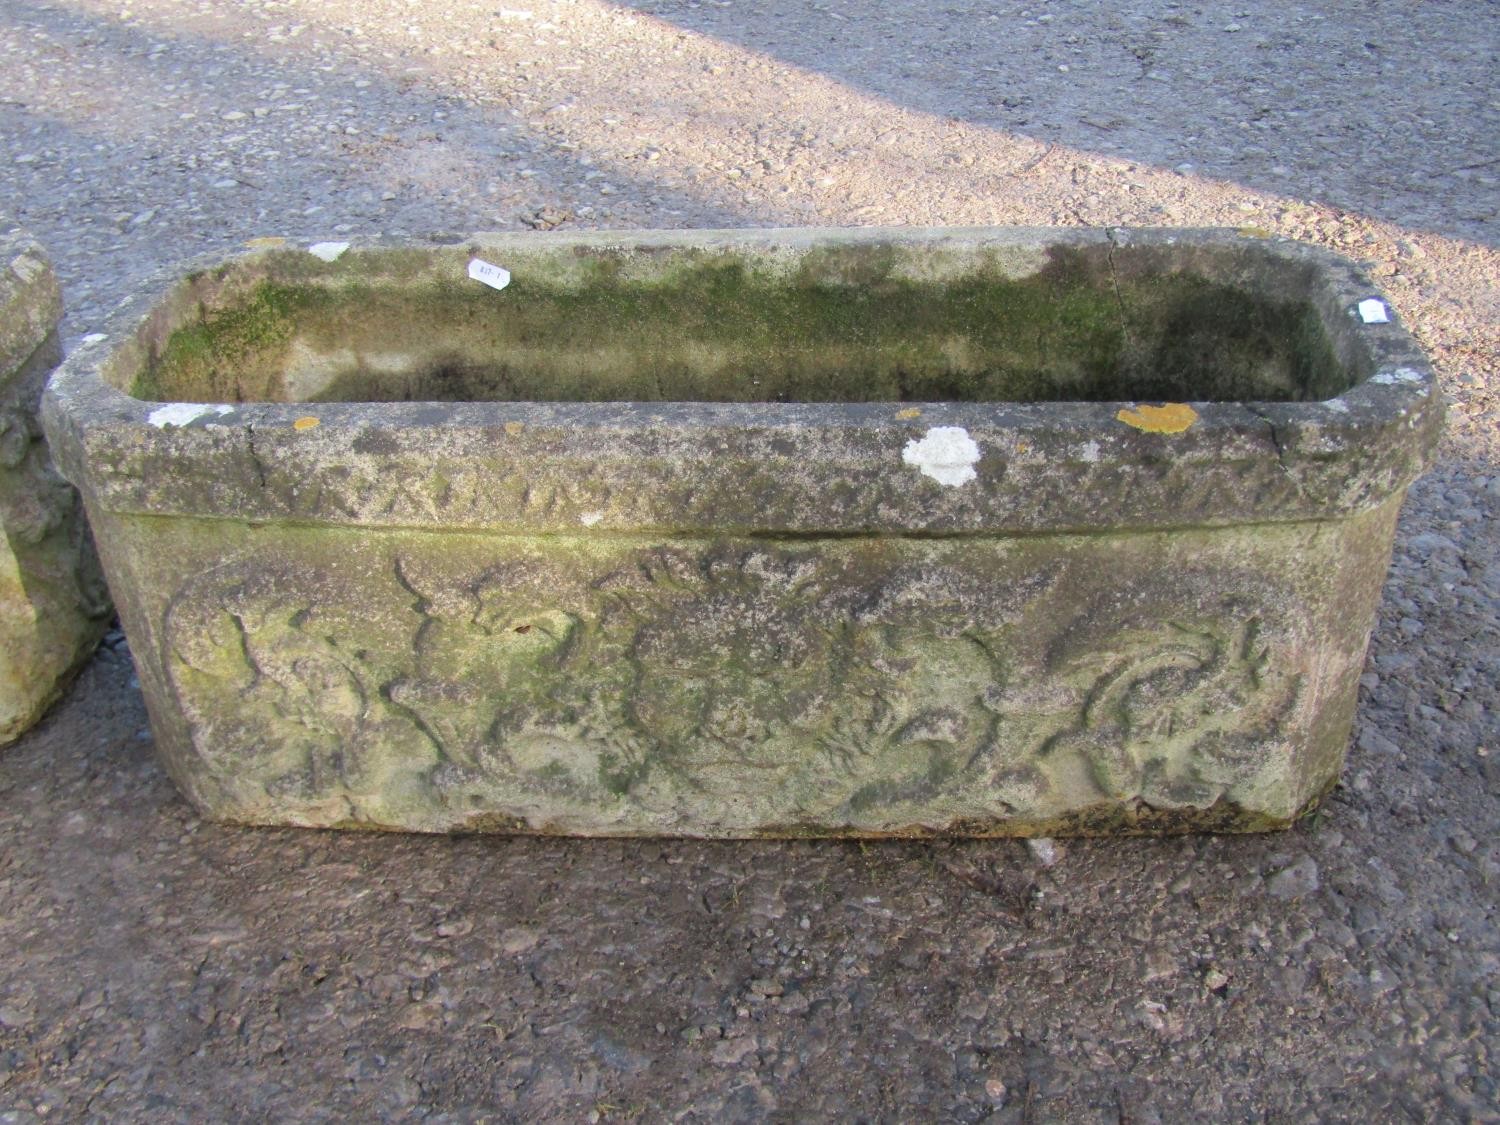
758, 468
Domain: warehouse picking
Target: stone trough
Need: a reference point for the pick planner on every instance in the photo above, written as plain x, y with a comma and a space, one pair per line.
753, 533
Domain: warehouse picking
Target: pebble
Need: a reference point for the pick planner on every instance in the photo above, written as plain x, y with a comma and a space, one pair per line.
1300, 879
1430, 542
1044, 849
518, 940
1371, 741
732, 1052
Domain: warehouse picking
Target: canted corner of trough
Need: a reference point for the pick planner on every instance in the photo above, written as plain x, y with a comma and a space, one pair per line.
947, 454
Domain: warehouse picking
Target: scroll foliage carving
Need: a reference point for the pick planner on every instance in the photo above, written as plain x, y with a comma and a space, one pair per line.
758, 684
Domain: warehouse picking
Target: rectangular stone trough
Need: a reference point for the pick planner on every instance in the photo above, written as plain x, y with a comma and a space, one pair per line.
753, 533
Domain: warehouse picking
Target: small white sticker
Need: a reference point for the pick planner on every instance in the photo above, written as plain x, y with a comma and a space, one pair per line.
1372, 310
496, 277
328, 251
947, 454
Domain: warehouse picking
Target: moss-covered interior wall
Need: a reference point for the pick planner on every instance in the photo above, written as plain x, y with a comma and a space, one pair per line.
854, 324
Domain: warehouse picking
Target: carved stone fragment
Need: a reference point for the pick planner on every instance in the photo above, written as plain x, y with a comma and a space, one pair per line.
53, 605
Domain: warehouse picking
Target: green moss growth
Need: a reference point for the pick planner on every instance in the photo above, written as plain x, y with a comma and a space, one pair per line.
228, 354
845, 326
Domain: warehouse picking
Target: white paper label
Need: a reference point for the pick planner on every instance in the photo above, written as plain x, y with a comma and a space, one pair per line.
1372, 311
496, 277
328, 251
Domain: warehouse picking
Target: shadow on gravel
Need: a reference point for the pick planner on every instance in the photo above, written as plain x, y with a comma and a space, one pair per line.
365, 151
1411, 122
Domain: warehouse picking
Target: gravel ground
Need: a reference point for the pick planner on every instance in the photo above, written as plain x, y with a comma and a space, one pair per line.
163, 968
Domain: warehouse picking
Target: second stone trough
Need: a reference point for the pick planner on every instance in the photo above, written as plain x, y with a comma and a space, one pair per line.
53, 605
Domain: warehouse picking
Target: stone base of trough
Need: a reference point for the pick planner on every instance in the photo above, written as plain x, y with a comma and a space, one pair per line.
53, 605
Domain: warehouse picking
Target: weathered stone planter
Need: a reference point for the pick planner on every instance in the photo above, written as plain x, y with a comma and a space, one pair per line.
53, 606
753, 533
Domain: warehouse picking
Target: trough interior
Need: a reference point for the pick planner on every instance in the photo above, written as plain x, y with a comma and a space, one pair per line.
869, 322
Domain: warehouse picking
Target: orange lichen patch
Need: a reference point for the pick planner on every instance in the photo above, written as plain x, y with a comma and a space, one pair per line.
265, 243
305, 423
1169, 418
909, 412
513, 428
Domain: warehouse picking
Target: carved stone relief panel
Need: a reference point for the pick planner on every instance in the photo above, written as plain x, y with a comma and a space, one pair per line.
727, 687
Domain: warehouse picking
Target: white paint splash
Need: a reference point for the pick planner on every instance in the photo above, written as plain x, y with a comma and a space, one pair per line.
328, 251
181, 413
1372, 310
947, 454
496, 277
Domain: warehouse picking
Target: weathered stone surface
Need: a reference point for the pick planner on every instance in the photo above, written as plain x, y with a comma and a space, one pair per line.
53, 607
735, 618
